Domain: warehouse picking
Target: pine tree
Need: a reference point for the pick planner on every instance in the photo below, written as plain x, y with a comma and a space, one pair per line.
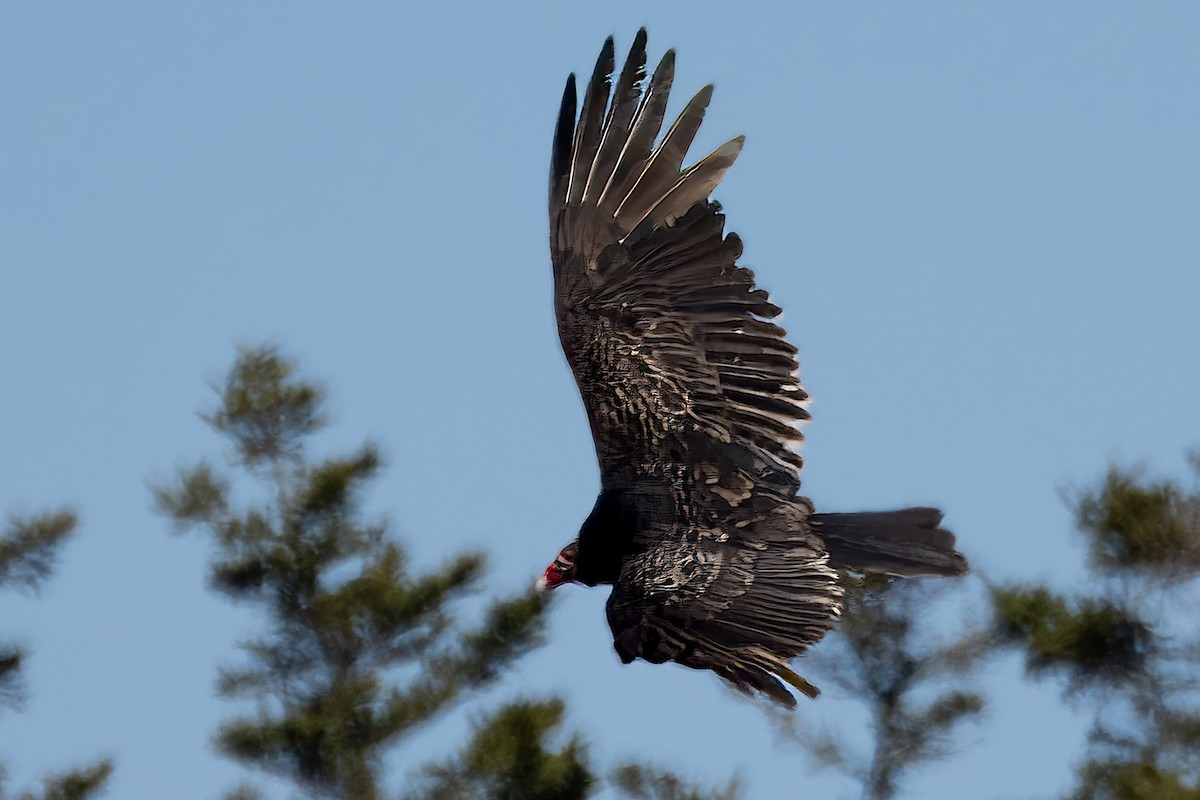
642, 782
509, 758
1128, 646
343, 609
29, 548
883, 655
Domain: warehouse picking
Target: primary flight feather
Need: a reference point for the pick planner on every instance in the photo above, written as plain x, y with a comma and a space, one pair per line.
716, 561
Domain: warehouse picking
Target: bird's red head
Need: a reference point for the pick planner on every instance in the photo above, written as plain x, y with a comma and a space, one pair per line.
562, 570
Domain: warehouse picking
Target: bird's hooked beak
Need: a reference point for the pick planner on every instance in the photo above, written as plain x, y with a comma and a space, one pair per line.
561, 571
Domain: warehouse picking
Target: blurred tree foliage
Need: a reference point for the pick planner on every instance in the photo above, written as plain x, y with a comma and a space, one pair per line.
917, 687
77, 784
509, 758
1128, 645
345, 612
29, 549
641, 782
359, 652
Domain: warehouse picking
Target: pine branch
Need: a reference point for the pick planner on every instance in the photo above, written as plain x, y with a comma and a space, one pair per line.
29, 547
642, 782
1119, 640
508, 759
345, 618
79, 784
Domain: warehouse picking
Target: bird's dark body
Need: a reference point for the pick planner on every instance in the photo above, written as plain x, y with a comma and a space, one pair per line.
607, 536
716, 561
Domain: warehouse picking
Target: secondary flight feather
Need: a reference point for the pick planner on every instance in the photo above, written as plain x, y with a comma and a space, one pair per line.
692, 393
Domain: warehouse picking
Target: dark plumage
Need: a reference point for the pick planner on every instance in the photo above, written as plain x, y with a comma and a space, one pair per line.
716, 561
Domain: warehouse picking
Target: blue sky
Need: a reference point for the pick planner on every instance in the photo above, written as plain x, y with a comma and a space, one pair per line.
980, 219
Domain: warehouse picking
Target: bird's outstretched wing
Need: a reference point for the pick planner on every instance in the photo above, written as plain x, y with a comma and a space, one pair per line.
684, 377
691, 390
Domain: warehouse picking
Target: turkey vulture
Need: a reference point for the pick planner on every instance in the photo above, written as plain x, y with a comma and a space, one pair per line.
715, 561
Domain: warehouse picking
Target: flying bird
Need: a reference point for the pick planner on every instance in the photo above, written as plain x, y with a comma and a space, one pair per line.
715, 560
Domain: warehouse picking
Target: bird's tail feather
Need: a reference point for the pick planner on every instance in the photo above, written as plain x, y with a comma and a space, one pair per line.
906, 542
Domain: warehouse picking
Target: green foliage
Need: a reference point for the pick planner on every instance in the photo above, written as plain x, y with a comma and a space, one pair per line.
508, 759
1122, 641
1092, 640
881, 655
1153, 525
244, 792
78, 784
344, 611
264, 410
74, 785
29, 549
640, 782
1138, 780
